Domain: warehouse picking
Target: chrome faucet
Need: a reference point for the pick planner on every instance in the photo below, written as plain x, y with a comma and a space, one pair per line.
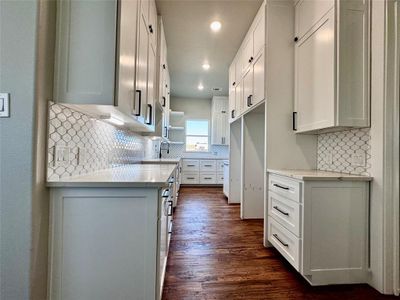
164, 146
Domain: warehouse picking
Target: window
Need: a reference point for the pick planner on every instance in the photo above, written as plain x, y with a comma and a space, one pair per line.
197, 135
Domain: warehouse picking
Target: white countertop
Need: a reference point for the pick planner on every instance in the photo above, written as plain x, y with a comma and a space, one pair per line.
137, 175
161, 161
319, 175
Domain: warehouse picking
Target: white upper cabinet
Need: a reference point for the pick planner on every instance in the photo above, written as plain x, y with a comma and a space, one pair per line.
85, 52
127, 56
219, 121
106, 59
247, 71
331, 65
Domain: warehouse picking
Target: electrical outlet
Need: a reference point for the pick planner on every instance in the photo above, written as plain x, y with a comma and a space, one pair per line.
329, 158
358, 158
62, 156
82, 156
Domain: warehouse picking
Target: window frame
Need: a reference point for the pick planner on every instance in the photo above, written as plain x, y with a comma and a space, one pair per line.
190, 135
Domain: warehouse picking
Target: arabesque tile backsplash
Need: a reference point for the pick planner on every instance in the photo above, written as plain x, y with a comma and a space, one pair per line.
341, 146
105, 145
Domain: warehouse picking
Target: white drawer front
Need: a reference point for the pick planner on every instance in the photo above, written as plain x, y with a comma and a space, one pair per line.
220, 165
208, 165
285, 242
190, 165
208, 178
220, 178
285, 186
286, 211
190, 178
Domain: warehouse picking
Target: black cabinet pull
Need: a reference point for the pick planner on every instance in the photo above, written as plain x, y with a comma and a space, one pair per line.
150, 114
281, 211
165, 193
164, 101
280, 241
151, 28
249, 100
281, 186
294, 121
296, 39
163, 66
189, 177
140, 102
208, 178
251, 59
233, 113
234, 83
170, 208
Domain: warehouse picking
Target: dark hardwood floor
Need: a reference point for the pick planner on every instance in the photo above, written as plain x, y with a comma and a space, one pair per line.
215, 255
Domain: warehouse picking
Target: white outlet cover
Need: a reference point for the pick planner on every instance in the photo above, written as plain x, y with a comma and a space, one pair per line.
358, 158
329, 158
62, 156
82, 156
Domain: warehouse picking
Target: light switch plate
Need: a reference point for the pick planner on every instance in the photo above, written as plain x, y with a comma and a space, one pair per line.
4, 105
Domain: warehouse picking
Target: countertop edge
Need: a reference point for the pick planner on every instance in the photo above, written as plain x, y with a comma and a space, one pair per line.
310, 177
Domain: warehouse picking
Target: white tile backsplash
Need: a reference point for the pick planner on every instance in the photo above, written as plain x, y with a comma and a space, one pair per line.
105, 145
336, 150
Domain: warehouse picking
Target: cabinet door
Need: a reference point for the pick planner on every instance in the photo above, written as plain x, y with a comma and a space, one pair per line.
308, 13
127, 56
259, 35
315, 77
150, 118
247, 90
225, 122
153, 23
259, 79
238, 99
85, 52
216, 123
141, 71
247, 53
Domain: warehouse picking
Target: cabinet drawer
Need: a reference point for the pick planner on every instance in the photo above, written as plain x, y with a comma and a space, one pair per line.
190, 178
208, 178
285, 211
220, 178
284, 186
208, 165
190, 165
285, 242
220, 165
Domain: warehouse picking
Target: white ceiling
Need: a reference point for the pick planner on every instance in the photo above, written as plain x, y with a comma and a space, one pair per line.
191, 42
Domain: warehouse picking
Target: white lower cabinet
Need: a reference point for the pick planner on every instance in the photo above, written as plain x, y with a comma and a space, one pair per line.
108, 243
202, 171
320, 226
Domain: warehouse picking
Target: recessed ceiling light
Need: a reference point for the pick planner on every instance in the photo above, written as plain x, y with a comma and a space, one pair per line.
200, 87
206, 66
215, 26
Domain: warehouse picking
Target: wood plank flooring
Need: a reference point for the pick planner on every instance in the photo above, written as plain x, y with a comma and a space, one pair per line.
215, 255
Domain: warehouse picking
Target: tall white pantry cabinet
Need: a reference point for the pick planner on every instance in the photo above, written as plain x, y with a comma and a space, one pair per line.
332, 62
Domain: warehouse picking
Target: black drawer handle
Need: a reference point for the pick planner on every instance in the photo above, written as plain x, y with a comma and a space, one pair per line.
170, 208
164, 101
208, 165
280, 241
190, 178
207, 178
150, 114
281, 211
281, 187
151, 28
